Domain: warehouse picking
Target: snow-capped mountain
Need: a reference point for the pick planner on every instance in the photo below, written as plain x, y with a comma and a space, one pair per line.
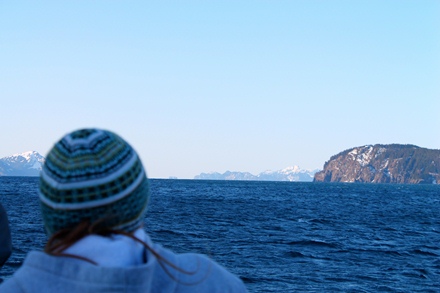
24, 164
294, 173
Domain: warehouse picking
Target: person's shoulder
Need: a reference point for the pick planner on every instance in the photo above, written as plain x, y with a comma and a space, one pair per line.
26, 276
193, 272
10, 286
201, 272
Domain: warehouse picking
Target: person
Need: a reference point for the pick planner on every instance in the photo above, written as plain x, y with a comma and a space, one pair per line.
5, 237
93, 194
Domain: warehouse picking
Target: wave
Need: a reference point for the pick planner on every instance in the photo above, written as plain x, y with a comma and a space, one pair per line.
294, 254
314, 243
172, 232
321, 221
424, 252
389, 252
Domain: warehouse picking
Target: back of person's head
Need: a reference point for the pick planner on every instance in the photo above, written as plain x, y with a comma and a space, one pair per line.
95, 176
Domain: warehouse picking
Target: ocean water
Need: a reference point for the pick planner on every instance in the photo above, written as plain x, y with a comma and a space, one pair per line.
279, 236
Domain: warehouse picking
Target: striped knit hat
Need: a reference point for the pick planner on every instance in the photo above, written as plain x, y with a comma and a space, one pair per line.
93, 174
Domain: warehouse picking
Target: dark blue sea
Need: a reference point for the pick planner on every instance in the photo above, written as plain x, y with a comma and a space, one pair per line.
279, 236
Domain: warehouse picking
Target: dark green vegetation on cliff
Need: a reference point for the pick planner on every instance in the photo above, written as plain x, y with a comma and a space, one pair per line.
392, 163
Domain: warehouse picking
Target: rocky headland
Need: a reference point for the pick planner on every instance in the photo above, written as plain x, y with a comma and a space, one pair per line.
394, 163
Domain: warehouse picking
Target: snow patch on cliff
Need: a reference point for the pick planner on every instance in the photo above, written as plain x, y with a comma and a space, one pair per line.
362, 155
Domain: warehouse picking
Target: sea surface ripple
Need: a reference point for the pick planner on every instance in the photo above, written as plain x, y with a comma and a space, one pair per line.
279, 236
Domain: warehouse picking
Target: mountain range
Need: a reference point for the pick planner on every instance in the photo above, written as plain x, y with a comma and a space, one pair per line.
288, 174
23, 164
30, 164
393, 163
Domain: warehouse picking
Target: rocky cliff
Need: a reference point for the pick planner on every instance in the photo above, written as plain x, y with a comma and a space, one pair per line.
383, 164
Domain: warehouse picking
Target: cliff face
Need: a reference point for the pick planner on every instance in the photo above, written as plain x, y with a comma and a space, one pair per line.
383, 164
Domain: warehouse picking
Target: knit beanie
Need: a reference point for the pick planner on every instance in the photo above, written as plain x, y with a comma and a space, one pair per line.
93, 175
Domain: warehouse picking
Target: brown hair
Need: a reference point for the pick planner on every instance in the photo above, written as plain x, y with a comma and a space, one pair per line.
63, 239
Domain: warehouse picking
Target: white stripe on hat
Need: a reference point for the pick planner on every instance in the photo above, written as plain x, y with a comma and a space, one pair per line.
84, 141
95, 203
91, 182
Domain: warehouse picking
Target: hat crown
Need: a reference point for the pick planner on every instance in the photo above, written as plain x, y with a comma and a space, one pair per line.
91, 174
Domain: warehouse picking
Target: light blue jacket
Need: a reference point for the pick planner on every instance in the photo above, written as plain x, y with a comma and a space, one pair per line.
41, 272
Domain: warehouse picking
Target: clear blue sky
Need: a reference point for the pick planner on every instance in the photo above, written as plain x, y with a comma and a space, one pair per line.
200, 86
